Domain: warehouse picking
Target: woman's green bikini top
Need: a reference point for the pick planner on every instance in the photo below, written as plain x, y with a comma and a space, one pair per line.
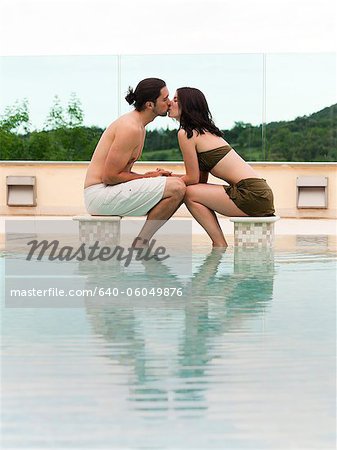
207, 160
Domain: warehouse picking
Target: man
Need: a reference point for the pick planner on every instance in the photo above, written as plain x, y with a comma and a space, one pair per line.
111, 188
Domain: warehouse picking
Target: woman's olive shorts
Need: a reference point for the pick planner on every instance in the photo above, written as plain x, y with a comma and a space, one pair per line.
253, 196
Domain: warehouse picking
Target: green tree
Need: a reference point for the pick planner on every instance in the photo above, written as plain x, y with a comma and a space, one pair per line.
71, 117
16, 118
75, 112
307, 138
55, 117
13, 123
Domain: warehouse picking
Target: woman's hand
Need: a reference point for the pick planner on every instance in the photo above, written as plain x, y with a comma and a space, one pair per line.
157, 173
165, 173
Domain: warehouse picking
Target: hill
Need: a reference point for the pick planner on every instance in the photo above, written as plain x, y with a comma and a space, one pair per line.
307, 138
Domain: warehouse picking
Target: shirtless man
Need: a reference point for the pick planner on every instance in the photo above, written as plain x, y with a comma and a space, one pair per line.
111, 188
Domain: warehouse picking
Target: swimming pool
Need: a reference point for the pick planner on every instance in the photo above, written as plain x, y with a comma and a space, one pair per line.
244, 358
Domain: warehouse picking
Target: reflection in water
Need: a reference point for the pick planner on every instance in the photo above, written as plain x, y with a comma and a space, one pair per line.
244, 358
171, 343
312, 241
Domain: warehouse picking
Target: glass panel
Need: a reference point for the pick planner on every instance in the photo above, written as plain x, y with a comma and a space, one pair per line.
242, 95
233, 85
90, 82
300, 92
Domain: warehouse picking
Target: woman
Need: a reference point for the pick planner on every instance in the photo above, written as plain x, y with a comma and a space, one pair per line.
205, 150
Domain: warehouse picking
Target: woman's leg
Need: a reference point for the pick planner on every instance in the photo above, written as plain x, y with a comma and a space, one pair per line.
209, 221
202, 200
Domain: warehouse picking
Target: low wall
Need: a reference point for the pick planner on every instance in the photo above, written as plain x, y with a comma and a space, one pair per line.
59, 186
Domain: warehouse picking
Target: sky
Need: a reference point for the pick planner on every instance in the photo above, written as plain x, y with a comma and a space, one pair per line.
50, 48
159, 26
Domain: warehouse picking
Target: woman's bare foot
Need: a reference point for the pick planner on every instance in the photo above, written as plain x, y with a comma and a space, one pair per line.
221, 244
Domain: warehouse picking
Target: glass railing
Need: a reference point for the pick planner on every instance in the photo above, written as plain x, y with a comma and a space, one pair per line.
271, 107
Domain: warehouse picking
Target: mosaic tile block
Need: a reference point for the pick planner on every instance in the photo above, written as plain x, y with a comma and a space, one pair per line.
254, 231
253, 234
104, 229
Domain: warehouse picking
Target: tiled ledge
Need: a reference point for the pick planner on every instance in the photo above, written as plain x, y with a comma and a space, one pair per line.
282, 226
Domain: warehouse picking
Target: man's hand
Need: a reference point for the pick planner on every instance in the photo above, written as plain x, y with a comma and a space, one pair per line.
163, 172
157, 173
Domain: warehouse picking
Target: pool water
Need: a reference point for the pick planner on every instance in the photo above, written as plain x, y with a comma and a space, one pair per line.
244, 358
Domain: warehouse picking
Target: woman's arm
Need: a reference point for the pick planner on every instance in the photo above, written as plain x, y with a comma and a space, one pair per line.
188, 150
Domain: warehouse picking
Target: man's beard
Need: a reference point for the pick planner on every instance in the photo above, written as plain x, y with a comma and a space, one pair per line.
160, 114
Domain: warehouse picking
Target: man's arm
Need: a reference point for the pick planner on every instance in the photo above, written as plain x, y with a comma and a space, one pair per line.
119, 155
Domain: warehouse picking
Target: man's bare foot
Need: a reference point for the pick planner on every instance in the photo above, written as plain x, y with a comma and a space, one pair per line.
144, 249
140, 243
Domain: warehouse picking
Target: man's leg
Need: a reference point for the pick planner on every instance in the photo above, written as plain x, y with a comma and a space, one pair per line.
172, 198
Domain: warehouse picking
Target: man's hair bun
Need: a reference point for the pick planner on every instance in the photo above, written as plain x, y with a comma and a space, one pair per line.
130, 96
147, 90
